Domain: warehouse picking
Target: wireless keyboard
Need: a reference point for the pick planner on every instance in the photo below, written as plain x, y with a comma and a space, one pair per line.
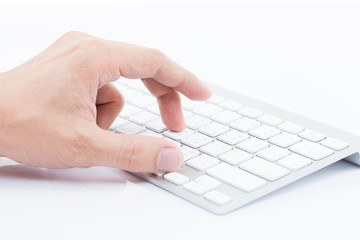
236, 149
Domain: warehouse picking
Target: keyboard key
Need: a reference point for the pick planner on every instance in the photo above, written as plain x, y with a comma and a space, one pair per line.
143, 117
245, 124
270, 120
150, 134
236, 177
196, 188
233, 137
264, 132
189, 152
334, 144
250, 112
143, 101
129, 110
312, 135
214, 129
189, 104
177, 136
235, 157
176, 178
231, 105
311, 150
273, 153
154, 108
207, 109
264, 169
130, 128
117, 123
202, 162
252, 145
294, 162
225, 117
157, 126
130, 94
196, 122
217, 197
215, 99
215, 148
290, 128
208, 182
284, 140
176, 142
196, 140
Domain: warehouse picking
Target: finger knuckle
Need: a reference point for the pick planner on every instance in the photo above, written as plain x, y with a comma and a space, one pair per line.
128, 156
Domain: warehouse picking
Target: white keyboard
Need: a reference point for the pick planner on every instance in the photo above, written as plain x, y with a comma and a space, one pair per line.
235, 149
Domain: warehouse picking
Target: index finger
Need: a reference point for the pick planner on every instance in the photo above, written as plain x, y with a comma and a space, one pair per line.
139, 62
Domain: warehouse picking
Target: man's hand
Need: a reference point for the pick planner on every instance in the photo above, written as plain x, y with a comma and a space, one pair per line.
55, 108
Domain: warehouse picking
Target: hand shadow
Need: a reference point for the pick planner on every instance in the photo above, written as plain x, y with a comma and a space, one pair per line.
92, 174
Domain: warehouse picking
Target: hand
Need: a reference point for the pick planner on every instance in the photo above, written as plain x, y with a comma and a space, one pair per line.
55, 108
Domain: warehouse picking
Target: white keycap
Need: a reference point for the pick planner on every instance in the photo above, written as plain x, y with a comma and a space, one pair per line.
264, 169
195, 187
196, 140
143, 101
130, 128
334, 144
311, 150
273, 153
154, 108
235, 157
264, 132
130, 94
213, 129
208, 182
225, 117
284, 140
250, 112
177, 136
150, 134
270, 120
252, 145
187, 114
217, 197
202, 162
189, 152
196, 122
118, 122
215, 148
189, 104
294, 162
215, 99
290, 128
137, 85
176, 178
207, 109
157, 126
143, 117
236, 177
245, 124
178, 143
231, 105
233, 137
312, 135
129, 110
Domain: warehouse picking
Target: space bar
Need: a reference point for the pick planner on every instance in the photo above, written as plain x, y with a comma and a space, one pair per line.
236, 177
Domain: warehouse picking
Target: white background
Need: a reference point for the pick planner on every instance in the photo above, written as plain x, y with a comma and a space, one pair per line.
303, 56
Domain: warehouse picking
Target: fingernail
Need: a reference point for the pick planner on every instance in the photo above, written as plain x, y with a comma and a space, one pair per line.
169, 160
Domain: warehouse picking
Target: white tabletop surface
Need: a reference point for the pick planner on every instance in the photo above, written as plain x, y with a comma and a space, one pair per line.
302, 56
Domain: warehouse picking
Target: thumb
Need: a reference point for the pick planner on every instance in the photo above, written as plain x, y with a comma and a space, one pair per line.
136, 153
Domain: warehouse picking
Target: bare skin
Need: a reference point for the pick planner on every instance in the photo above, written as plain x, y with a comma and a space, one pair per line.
56, 107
